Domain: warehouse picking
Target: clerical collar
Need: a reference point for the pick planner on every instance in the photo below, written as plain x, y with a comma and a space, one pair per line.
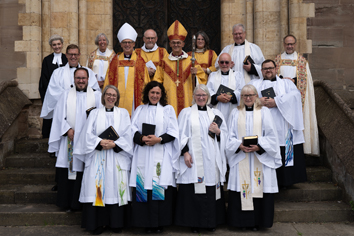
200, 50
274, 79
150, 104
149, 50
84, 90
127, 56
240, 44
178, 55
109, 109
225, 73
204, 108
249, 108
75, 66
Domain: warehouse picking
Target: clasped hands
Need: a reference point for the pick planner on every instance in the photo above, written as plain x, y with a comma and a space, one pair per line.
151, 140
268, 102
224, 98
251, 148
107, 144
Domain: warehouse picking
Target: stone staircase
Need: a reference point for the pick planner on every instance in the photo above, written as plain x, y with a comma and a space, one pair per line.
26, 197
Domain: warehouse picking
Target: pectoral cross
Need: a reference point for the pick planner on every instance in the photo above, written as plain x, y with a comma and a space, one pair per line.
177, 82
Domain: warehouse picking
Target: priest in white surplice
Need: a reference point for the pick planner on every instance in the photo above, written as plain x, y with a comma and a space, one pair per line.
238, 52
202, 165
63, 79
252, 176
292, 65
287, 114
68, 119
232, 79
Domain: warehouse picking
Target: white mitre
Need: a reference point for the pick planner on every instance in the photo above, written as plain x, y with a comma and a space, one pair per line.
126, 32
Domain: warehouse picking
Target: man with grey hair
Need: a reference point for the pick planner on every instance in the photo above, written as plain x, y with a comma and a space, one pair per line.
150, 52
250, 66
100, 58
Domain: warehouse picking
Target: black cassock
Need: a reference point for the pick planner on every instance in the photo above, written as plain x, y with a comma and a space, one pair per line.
47, 70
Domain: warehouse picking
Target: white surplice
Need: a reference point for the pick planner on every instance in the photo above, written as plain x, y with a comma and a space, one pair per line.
238, 55
214, 160
288, 111
58, 142
311, 145
61, 80
85, 150
100, 66
214, 83
145, 155
270, 159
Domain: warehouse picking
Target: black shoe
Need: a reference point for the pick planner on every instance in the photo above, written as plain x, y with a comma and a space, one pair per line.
159, 230
195, 230
211, 229
52, 154
148, 230
55, 188
116, 230
98, 230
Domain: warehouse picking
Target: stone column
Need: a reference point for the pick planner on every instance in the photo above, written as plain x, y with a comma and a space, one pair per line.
284, 18
298, 14
82, 31
46, 49
249, 23
267, 27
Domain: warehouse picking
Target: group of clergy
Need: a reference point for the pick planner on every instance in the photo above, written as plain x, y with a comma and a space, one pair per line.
122, 152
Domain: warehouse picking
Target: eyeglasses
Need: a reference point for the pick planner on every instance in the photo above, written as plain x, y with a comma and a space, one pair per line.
111, 95
268, 68
176, 43
201, 95
237, 34
150, 38
248, 95
80, 78
224, 62
131, 42
290, 44
72, 54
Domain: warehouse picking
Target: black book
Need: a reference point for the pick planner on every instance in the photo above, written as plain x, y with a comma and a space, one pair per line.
269, 93
224, 89
148, 129
248, 58
110, 134
218, 121
250, 140
89, 110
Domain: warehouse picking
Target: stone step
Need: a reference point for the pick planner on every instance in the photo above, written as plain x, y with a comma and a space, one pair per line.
35, 176
49, 214
319, 174
27, 194
332, 211
31, 146
30, 160
303, 192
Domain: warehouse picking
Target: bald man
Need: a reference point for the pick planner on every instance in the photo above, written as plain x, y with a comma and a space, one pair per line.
150, 52
225, 101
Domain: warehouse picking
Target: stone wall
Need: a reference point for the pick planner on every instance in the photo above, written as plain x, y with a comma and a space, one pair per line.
332, 35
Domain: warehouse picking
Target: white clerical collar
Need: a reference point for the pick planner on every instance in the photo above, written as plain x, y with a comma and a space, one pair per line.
149, 50
57, 58
200, 50
289, 56
101, 53
174, 58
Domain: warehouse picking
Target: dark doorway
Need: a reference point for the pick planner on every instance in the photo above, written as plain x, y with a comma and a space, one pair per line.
194, 15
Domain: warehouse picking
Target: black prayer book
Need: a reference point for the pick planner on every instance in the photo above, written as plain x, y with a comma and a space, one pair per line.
218, 121
148, 129
269, 93
248, 58
110, 134
224, 89
250, 140
89, 110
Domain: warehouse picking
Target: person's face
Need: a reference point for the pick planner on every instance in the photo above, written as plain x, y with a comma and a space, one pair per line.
81, 80
200, 42
57, 46
150, 38
268, 71
200, 97
110, 98
176, 46
154, 95
102, 43
127, 46
224, 62
249, 97
239, 35
289, 45
73, 56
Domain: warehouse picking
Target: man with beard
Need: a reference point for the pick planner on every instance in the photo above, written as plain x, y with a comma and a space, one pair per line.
68, 119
